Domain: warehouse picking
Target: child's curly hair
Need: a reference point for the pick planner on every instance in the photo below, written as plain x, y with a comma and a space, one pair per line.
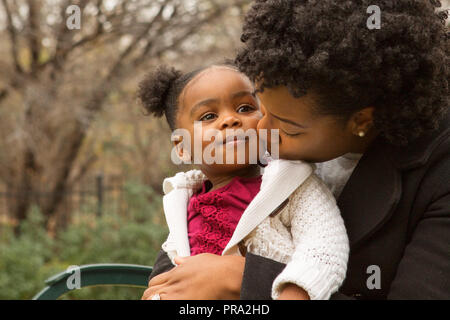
401, 69
160, 89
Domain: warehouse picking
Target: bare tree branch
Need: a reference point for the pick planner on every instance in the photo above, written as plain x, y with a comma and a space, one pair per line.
115, 69
33, 33
83, 169
189, 30
13, 37
3, 94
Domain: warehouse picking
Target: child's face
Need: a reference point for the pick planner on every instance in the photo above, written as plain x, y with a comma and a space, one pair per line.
220, 98
304, 134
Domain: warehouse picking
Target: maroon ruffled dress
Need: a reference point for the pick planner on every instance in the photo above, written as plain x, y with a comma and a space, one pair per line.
213, 216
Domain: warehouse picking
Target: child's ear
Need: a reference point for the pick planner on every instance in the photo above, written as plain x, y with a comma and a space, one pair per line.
178, 144
181, 152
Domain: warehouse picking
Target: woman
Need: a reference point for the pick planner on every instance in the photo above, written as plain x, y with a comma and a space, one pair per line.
371, 108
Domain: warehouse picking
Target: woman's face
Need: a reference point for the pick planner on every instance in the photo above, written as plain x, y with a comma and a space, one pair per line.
304, 134
221, 99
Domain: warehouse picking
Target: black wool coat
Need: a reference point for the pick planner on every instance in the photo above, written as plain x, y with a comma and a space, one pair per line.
396, 208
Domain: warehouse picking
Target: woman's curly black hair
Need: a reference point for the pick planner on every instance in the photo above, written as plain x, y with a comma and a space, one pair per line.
159, 91
401, 69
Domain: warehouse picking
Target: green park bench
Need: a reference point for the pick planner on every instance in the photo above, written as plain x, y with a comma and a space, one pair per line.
131, 275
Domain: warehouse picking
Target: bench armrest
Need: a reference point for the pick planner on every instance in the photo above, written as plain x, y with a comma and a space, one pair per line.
97, 274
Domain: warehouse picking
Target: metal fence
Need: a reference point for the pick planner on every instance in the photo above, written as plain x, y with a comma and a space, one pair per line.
96, 195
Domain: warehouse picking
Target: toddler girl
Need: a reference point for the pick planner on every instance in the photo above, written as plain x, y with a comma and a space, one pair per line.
287, 214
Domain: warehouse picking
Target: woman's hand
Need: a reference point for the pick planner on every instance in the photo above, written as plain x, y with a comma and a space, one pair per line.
202, 277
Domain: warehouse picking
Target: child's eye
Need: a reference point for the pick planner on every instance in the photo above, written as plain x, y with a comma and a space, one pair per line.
209, 116
245, 108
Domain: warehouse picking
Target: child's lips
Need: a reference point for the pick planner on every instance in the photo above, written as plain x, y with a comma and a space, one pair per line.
234, 140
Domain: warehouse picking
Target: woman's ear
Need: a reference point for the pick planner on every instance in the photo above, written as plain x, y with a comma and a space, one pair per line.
362, 121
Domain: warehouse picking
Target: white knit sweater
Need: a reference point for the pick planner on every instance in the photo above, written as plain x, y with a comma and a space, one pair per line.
307, 233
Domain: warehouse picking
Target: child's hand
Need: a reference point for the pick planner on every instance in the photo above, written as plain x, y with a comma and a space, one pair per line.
293, 292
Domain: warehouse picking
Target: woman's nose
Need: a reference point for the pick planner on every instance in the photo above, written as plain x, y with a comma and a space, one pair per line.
262, 123
263, 110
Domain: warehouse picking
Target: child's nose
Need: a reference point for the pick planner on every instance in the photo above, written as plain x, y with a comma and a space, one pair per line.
230, 122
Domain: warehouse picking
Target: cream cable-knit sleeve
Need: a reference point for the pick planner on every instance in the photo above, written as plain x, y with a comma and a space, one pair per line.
319, 262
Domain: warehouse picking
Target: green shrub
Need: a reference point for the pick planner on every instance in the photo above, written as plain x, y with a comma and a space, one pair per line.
28, 259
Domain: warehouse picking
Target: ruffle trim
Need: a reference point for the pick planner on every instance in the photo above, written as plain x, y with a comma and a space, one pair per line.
217, 228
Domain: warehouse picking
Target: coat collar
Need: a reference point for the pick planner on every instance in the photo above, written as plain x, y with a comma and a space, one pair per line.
374, 189
419, 151
370, 195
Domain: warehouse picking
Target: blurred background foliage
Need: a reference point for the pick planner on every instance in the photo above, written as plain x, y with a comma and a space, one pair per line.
29, 258
68, 114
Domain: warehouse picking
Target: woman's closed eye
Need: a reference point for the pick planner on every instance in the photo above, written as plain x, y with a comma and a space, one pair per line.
292, 134
291, 130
